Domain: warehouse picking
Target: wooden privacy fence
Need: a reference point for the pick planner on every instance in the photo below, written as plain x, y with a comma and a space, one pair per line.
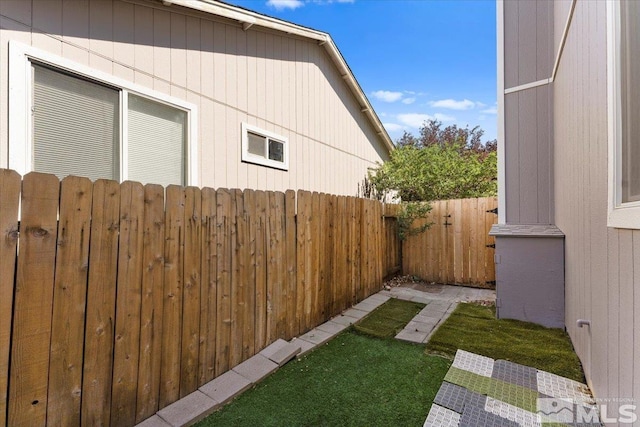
118, 299
457, 249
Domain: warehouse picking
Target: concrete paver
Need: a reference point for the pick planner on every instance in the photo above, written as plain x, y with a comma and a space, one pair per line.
256, 368
305, 346
332, 327
280, 351
189, 410
344, 320
355, 313
227, 386
154, 421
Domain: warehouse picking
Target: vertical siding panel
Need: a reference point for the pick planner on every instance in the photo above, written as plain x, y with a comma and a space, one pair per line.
269, 77
527, 42
219, 146
75, 30
143, 35
18, 10
527, 141
193, 47
512, 158
231, 65
101, 35
47, 18
161, 44
178, 53
634, 367
242, 64
206, 58
626, 315
613, 289
124, 33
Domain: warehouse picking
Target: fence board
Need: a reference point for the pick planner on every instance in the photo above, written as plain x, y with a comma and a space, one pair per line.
249, 276
33, 301
236, 242
279, 265
151, 303
69, 298
101, 304
260, 270
191, 292
10, 183
172, 295
303, 294
317, 261
290, 264
223, 322
457, 253
208, 298
128, 304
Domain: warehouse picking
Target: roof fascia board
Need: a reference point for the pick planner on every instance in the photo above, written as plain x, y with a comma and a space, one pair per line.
323, 39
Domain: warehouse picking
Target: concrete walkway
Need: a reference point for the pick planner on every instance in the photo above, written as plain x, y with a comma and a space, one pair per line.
441, 300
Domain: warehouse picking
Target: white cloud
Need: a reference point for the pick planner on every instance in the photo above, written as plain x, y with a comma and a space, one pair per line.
452, 104
387, 96
408, 101
443, 117
414, 120
392, 127
285, 4
490, 110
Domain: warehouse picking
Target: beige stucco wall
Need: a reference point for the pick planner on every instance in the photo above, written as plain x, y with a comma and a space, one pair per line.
280, 83
602, 263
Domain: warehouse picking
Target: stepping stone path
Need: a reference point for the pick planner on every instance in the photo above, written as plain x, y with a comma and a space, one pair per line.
479, 391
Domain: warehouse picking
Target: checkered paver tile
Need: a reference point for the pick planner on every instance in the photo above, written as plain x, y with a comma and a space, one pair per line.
510, 372
508, 396
512, 413
556, 386
474, 363
476, 416
454, 397
442, 417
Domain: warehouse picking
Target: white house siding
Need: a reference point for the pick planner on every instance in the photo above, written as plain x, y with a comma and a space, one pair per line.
283, 84
602, 264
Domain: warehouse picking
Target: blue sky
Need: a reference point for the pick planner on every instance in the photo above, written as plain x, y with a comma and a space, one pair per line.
415, 60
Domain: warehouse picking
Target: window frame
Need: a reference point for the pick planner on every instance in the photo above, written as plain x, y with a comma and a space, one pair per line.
22, 56
248, 157
620, 215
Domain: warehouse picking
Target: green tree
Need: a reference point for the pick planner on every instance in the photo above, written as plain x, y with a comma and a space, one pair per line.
442, 163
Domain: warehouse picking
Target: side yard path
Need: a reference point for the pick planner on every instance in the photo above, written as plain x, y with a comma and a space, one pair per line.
441, 300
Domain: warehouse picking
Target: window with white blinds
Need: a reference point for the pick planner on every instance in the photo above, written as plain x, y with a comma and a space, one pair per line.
75, 126
79, 121
264, 148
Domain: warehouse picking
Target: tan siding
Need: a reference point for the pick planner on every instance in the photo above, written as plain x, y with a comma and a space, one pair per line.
602, 264
278, 83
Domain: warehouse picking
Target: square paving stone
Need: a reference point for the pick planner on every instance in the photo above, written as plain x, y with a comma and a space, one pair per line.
379, 298
189, 410
280, 351
514, 373
154, 421
442, 417
475, 363
332, 327
425, 327
367, 306
226, 387
344, 320
316, 336
454, 397
355, 313
256, 368
305, 346
476, 416
411, 336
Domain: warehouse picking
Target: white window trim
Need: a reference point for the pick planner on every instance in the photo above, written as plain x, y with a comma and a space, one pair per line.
620, 215
259, 160
20, 106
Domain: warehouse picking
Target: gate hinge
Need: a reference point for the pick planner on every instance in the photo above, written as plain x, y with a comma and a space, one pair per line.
493, 245
493, 211
491, 282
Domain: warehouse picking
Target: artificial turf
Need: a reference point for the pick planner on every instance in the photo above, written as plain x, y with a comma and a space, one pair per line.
389, 319
354, 380
474, 328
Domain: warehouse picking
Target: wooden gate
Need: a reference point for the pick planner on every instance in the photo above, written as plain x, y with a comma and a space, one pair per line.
457, 249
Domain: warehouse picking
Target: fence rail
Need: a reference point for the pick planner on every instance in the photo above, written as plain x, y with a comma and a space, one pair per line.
456, 249
118, 299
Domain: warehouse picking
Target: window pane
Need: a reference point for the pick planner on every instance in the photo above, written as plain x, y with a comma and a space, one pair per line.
630, 74
157, 139
75, 126
276, 150
256, 144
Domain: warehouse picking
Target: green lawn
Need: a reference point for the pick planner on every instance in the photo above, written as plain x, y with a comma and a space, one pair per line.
354, 380
359, 380
474, 328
